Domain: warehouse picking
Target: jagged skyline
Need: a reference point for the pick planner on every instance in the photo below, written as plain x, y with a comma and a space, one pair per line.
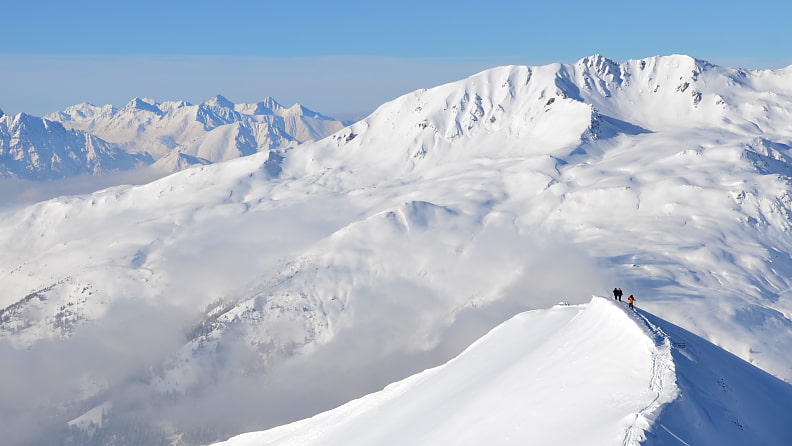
345, 59
237, 297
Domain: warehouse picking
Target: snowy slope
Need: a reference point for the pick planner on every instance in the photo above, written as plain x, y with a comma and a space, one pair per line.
390, 245
722, 400
685, 197
589, 374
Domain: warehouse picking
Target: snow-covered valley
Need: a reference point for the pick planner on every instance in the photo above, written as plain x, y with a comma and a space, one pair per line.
262, 290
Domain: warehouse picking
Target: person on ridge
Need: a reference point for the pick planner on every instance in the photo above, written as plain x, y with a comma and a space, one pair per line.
615, 294
630, 301
621, 293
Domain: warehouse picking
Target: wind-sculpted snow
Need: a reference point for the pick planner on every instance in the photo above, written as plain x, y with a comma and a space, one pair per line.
289, 282
594, 374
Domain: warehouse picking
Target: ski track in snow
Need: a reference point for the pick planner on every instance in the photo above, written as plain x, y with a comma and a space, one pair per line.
674, 435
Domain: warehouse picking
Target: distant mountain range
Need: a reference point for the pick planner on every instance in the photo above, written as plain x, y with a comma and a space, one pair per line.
265, 289
40, 149
171, 136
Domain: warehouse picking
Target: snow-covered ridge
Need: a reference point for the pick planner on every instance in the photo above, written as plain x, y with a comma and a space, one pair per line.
506, 191
514, 111
595, 374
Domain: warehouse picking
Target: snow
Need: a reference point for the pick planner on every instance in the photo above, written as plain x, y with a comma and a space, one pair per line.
347, 263
527, 381
39, 149
723, 400
177, 126
175, 134
593, 374
93, 418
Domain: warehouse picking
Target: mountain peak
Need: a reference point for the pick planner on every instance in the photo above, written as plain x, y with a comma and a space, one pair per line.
267, 106
601, 65
300, 110
596, 59
220, 101
82, 105
143, 104
25, 119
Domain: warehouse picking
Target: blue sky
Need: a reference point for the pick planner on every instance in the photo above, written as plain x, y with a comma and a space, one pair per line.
345, 58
